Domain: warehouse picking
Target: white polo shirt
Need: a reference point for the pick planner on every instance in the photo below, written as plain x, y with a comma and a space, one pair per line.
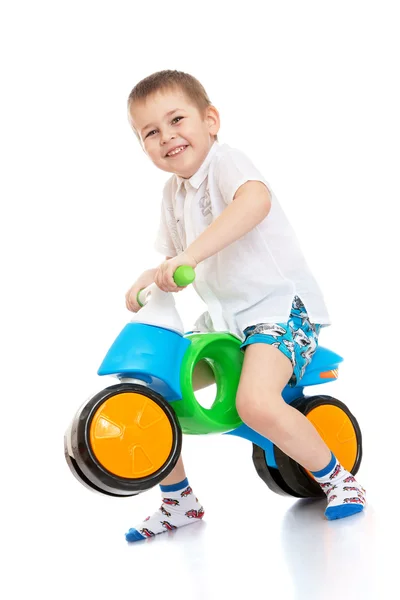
254, 279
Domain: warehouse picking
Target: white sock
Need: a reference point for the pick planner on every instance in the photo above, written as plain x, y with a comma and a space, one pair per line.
179, 507
345, 496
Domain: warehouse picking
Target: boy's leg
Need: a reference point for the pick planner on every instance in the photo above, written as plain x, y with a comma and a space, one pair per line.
266, 371
179, 505
177, 474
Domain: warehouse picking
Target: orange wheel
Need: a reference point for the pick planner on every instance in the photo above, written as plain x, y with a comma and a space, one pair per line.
340, 431
131, 435
125, 440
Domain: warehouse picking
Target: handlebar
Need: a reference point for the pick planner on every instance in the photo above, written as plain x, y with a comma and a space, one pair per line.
183, 276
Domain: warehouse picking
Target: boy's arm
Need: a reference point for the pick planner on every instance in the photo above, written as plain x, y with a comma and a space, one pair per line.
251, 204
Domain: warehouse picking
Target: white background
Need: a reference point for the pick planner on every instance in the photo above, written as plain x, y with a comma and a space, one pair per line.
310, 91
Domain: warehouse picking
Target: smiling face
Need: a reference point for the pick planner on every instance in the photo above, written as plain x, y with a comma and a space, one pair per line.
174, 133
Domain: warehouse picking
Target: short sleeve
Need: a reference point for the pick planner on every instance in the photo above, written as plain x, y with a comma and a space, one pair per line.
234, 169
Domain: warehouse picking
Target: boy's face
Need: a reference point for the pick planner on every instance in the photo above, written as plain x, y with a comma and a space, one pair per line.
174, 133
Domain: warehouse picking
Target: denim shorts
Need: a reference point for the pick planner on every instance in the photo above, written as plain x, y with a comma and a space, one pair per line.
297, 339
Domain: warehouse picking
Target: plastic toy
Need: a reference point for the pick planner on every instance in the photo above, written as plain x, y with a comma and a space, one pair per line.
127, 438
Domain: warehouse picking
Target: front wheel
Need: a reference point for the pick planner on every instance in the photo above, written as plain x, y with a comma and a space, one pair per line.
123, 441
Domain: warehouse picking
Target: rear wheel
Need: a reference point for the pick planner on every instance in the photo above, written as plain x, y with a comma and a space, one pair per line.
124, 440
270, 475
340, 431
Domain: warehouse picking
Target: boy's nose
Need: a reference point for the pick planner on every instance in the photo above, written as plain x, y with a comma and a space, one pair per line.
166, 136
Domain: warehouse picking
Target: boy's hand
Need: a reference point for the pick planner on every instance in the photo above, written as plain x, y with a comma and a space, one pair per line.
142, 282
164, 275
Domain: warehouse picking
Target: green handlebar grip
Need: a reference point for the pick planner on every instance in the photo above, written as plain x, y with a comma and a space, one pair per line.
184, 275
137, 299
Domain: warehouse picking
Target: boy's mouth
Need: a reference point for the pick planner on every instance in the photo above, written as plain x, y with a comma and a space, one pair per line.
175, 151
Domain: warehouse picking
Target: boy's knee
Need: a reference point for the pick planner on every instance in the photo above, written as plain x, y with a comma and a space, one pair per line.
253, 410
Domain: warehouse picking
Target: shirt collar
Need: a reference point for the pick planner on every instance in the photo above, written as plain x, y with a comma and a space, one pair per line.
197, 179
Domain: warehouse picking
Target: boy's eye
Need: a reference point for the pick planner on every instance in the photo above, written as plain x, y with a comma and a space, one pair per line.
174, 121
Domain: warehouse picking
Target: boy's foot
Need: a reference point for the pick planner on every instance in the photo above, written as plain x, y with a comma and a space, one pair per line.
179, 507
345, 496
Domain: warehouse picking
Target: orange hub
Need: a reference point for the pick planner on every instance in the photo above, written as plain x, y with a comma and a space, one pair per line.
337, 431
130, 435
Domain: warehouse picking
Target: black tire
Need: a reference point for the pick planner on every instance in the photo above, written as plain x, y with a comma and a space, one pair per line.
294, 476
270, 475
83, 462
81, 477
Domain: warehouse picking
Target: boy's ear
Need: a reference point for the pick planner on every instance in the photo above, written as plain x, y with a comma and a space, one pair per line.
213, 119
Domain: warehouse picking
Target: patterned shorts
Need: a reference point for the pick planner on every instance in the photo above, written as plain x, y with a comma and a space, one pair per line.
297, 339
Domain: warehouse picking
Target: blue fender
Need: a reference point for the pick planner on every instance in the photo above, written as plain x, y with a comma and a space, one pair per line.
151, 354
323, 362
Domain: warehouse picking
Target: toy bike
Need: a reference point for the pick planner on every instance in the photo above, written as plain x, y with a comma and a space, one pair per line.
127, 438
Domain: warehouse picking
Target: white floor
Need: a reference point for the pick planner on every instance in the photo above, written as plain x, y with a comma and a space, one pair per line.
68, 542
62, 541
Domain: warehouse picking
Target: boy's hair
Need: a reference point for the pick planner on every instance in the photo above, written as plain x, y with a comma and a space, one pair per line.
167, 80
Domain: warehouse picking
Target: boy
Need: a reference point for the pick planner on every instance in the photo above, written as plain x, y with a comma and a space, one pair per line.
220, 216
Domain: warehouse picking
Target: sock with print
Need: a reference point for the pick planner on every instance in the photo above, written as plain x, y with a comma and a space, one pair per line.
345, 496
179, 507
